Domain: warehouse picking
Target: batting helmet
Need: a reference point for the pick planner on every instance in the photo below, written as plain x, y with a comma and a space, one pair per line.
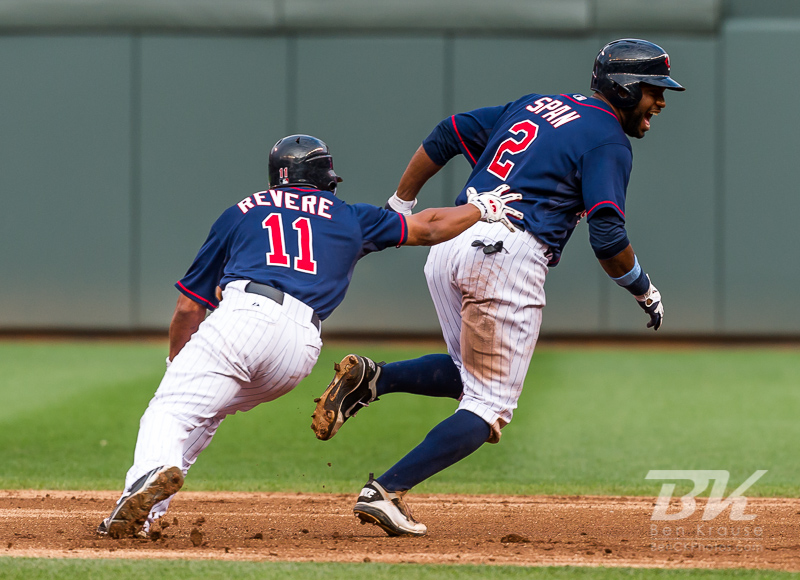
623, 64
302, 160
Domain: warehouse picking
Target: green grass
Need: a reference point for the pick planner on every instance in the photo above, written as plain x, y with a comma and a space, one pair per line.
35, 569
590, 421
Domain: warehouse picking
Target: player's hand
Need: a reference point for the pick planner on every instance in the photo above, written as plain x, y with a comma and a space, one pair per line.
400, 205
651, 303
492, 205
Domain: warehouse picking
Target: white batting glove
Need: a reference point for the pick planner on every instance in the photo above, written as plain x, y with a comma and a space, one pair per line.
400, 205
651, 303
492, 205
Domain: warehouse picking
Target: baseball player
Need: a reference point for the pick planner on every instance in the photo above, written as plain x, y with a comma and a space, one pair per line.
283, 259
570, 157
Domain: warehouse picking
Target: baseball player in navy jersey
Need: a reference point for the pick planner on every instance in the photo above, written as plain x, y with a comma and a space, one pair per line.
570, 157
283, 259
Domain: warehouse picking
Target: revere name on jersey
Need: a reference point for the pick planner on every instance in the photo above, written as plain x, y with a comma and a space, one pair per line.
303, 241
566, 154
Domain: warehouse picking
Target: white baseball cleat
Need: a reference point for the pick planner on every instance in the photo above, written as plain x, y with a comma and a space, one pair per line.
388, 510
131, 511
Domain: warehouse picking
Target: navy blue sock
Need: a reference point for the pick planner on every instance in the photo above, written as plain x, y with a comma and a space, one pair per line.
434, 375
447, 443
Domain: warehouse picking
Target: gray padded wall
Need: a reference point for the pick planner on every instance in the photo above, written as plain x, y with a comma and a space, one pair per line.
373, 100
282, 16
763, 9
211, 108
761, 237
119, 151
65, 182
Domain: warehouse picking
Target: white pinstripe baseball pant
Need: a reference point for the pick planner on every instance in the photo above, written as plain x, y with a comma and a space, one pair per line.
249, 351
490, 311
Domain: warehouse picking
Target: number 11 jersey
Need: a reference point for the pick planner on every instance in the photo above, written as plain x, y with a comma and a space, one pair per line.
303, 241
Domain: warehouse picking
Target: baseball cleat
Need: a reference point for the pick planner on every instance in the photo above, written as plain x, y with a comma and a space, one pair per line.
131, 511
102, 530
352, 387
388, 510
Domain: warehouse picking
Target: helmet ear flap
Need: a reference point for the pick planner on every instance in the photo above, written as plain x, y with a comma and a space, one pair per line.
619, 95
628, 96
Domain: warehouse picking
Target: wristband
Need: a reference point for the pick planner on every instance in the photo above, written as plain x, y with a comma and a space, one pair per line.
630, 277
400, 205
640, 286
636, 281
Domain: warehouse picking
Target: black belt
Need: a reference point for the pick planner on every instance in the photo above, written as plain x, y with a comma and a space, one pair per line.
276, 296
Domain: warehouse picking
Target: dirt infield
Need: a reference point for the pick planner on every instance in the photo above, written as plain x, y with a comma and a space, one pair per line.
524, 531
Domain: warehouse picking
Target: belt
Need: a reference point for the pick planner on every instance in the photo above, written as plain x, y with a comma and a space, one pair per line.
276, 296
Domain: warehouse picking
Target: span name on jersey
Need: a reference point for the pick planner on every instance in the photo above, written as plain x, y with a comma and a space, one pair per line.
311, 204
553, 111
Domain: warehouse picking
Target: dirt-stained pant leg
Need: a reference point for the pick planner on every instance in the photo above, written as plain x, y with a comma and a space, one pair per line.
490, 308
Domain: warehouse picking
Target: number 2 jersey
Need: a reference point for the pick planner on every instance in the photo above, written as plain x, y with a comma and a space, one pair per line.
303, 241
566, 154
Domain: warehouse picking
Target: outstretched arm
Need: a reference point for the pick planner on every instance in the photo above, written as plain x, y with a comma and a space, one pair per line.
436, 225
439, 224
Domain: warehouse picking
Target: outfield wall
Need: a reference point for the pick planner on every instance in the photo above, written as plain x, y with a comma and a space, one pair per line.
122, 140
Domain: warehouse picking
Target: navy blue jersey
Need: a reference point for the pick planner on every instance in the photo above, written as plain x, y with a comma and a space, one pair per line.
566, 154
305, 242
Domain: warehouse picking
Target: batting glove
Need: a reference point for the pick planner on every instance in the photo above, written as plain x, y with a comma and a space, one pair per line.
492, 205
650, 302
400, 205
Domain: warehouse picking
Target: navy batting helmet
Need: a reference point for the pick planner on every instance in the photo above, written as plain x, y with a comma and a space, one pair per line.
623, 64
302, 160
